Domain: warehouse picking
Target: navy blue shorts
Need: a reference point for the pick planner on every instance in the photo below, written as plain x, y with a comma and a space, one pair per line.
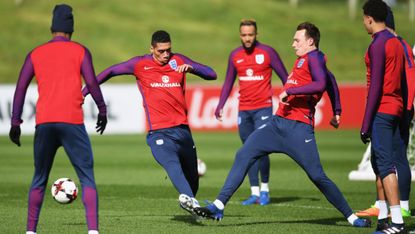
385, 140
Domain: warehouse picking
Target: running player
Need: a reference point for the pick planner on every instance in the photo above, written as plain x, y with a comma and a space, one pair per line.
253, 63
161, 79
385, 62
58, 66
290, 130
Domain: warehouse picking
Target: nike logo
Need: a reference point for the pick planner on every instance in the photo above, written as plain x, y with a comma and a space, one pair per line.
262, 126
264, 117
307, 140
147, 68
239, 61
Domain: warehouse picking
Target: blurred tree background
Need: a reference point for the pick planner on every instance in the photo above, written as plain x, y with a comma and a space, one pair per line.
204, 30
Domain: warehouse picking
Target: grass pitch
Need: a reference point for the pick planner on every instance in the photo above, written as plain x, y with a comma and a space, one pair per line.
136, 197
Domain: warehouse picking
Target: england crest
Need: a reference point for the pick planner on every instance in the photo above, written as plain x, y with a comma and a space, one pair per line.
259, 58
300, 63
173, 64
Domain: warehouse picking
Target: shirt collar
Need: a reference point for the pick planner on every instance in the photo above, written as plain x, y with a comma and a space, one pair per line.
59, 38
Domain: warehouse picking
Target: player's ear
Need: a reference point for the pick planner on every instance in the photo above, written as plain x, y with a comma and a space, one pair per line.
152, 49
370, 20
310, 41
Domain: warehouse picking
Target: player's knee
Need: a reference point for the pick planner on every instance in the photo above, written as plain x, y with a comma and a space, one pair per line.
385, 172
39, 182
318, 178
87, 182
243, 157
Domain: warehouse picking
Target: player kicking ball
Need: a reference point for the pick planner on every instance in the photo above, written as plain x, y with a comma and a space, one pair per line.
161, 79
290, 130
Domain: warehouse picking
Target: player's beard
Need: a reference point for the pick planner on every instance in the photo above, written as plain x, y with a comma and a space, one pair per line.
249, 49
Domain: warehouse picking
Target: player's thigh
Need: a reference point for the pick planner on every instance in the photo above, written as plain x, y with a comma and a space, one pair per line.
246, 124
46, 143
405, 125
382, 143
400, 156
264, 140
187, 151
77, 145
262, 116
164, 149
301, 146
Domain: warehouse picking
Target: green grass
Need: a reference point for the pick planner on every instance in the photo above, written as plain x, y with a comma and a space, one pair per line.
205, 30
136, 197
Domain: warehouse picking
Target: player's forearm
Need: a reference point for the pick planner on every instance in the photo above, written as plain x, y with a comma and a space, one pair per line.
334, 94
26, 75
93, 87
226, 89
279, 68
203, 71
372, 104
124, 68
314, 87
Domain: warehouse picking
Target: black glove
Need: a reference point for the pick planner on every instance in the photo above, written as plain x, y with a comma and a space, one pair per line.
14, 135
101, 123
365, 137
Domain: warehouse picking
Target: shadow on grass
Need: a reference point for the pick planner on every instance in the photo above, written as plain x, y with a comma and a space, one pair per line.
327, 221
277, 200
187, 219
74, 224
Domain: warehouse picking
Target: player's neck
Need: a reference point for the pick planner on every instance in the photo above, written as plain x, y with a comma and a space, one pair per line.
62, 34
377, 27
311, 48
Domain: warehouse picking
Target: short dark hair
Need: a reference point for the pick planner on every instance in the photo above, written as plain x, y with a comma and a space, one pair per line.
390, 21
377, 9
310, 31
160, 36
248, 22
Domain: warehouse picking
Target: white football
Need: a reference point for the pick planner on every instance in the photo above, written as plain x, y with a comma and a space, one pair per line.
201, 167
64, 190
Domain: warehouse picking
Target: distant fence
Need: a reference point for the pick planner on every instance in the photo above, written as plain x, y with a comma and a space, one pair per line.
126, 113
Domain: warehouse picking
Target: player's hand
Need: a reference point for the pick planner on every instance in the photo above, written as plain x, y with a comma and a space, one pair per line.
283, 98
101, 123
335, 121
14, 134
218, 114
184, 68
365, 137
